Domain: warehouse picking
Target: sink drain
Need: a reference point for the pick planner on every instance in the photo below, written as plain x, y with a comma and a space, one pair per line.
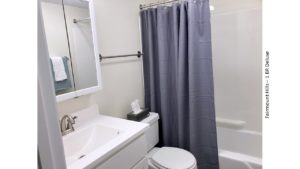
81, 156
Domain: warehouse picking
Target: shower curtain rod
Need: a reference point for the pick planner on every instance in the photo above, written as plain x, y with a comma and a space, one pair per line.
155, 4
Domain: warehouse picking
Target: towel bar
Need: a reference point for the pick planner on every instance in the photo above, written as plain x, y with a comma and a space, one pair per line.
138, 54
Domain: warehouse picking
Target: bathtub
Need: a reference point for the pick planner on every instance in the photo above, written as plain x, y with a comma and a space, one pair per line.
239, 149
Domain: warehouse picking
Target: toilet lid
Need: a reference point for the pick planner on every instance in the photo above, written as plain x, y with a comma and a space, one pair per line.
173, 158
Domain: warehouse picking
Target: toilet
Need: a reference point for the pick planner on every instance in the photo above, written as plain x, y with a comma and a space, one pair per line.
165, 157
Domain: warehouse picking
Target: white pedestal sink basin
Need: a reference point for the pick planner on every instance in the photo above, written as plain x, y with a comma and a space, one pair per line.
97, 137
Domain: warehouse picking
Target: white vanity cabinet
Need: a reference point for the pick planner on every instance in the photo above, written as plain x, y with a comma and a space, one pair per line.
143, 164
132, 156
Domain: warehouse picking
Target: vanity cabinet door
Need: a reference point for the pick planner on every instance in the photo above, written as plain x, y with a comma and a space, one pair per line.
127, 157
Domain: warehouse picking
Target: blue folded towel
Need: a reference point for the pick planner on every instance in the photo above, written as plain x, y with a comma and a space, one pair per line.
64, 84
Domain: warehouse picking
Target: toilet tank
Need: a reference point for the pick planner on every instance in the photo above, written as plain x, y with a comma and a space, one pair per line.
152, 132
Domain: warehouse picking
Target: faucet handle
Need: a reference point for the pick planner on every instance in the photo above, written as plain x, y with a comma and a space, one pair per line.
73, 119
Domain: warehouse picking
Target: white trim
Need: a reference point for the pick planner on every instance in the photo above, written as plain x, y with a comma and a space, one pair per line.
95, 42
65, 96
87, 91
78, 93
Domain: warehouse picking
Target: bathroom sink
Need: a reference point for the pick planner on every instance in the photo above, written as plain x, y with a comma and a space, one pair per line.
97, 138
80, 143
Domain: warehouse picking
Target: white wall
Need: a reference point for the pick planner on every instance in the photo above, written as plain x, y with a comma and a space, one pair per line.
237, 62
118, 33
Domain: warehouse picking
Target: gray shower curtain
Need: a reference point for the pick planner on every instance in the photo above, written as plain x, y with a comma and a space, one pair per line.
178, 77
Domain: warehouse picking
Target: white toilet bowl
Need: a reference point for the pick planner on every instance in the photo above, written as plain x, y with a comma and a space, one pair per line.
171, 158
165, 157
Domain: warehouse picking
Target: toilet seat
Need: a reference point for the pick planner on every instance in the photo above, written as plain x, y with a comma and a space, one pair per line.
173, 158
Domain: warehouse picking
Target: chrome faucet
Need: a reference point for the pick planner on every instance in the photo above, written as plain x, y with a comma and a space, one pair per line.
66, 124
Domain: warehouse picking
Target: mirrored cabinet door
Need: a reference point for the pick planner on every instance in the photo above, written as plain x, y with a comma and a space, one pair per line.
81, 43
71, 37
58, 48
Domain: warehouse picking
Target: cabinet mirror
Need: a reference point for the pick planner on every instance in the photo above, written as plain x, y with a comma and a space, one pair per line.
72, 44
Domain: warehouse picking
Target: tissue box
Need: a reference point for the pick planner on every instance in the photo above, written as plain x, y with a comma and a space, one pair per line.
139, 116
